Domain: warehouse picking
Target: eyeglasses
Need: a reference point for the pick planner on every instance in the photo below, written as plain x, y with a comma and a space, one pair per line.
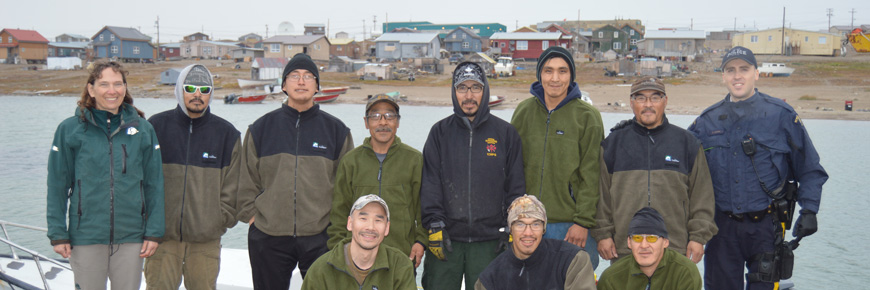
106, 86
642, 99
474, 89
305, 77
190, 89
521, 226
649, 238
378, 116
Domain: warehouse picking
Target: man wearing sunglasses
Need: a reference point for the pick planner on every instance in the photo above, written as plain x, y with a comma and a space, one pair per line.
646, 161
285, 187
533, 262
473, 169
201, 162
385, 167
653, 265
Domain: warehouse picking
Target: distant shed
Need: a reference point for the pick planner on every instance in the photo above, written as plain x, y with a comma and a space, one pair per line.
169, 76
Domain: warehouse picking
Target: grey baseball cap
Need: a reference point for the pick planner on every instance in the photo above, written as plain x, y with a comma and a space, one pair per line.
366, 199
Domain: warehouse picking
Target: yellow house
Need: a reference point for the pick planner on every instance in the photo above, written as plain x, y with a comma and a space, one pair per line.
797, 42
286, 46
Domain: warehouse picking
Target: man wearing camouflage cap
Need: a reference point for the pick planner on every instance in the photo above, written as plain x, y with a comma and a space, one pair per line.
533, 262
648, 162
201, 162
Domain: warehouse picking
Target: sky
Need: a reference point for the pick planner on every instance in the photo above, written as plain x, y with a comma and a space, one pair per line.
226, 19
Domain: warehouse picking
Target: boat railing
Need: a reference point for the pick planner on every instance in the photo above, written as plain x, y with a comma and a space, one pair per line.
37, 257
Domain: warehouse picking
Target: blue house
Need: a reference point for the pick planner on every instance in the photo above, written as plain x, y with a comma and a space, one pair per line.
126, 44
463, 40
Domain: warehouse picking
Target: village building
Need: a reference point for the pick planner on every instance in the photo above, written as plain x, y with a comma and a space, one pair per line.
580, 43
207, 49
314, 29
68, 37
196, 37
252, 40
126, 44
679, 45
22, 46
246, 54
268, 68
463, 40
63, 49
720, 40
171, 51
286, 46
484, 30
400, 46
526, 45
609, 37
344, 47
790, 42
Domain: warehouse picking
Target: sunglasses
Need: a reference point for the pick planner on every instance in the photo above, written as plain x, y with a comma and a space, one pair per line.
190, 89
649, 238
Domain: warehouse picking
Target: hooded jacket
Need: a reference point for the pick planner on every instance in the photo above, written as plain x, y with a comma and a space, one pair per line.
674, 272
289, 164
391, 270
105, 171
201, 161
396, 180
560, 151
472, 171
554, 265
664, 168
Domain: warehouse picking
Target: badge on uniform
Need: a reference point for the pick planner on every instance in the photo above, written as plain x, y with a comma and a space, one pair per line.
490, 147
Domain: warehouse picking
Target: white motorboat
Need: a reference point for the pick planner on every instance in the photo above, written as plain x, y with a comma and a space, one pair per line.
243, 83
770, 69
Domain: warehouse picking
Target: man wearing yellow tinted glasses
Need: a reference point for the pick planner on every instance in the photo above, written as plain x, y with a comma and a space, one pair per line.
662, 268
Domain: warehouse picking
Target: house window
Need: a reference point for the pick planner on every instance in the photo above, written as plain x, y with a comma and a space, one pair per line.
466, 45
10, 39
823, 40
770, 38
806, 39
615, 34
617, 45
274, 47
317, 47
545, 44
338, 48
114, 49
501, 44
101, 37
289, 46
631, 32
522, 45
135, 50
454, 36
634, 41
753, 39
601, 34
112, 37
171, 50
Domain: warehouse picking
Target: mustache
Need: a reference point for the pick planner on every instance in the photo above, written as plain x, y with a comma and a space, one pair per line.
469, 101
383, 129
199, 100
648, 110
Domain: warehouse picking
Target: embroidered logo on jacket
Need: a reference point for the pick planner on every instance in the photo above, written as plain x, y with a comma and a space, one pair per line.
668, 158
208, 156
132, 131
490, 147
560, 132
318, 146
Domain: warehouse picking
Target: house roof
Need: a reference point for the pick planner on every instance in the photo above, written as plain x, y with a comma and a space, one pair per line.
74, 35
171, 45
294, 39
75, 44
558, 27
26, 35
249, 35
407, 37
340, 41
525, 29
527, 35
463, 29
124, 33
270, 62
675, 34
219, 43
197, 33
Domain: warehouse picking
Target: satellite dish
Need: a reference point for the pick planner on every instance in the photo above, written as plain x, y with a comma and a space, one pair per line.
285, 28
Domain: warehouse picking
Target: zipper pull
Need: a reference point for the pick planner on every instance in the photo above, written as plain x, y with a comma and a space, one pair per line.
191, 126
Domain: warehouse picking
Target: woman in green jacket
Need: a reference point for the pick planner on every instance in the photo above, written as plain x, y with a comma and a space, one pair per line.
105, 172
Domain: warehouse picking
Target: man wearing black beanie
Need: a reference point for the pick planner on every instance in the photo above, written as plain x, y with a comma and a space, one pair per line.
286, 182
561, 137
648, 241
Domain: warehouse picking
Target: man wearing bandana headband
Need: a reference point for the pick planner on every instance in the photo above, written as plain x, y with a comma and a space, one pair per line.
201, 162
472, 170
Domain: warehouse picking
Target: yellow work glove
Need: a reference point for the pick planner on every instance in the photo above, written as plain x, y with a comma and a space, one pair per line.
439, 241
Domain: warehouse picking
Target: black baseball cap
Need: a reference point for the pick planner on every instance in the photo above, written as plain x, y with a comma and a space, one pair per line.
739, 52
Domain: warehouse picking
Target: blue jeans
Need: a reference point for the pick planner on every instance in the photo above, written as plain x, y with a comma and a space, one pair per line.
557, 231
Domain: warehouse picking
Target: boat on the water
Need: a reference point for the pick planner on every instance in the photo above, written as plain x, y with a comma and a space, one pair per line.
333, 90
239, 99
770, 69
243, 83
496, 100
321, 98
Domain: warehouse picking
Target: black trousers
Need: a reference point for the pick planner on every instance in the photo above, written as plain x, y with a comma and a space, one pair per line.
731, 250
273, 258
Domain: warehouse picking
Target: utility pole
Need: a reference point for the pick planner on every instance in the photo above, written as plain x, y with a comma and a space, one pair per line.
375, 23
735, 23
157, 24
853, 18
364, 29
267, 31
783, 30
830, 13
692, 24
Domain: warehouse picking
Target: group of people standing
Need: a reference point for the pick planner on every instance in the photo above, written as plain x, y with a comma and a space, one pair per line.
526, 204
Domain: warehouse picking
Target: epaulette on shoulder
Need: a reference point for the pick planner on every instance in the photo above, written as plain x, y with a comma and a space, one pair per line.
622, 124
710, 108
777, 102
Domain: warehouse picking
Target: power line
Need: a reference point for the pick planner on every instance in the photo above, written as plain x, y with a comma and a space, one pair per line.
830, 13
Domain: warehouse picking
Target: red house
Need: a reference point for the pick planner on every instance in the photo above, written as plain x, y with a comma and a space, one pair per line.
527, 45
170, 51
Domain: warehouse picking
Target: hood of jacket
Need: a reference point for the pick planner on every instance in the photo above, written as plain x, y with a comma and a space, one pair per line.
179, 87
537, 90
482, 110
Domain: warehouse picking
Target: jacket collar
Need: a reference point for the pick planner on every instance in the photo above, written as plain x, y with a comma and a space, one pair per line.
367, 143
337, 258
537, 90
654, 131
536, 258
184, 119
305, 115
634, 268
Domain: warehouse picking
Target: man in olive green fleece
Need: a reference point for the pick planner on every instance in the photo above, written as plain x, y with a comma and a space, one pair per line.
362, 262
652, 265
561, 137
388, 168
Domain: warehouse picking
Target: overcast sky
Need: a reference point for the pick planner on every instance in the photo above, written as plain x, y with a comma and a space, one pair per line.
228, 19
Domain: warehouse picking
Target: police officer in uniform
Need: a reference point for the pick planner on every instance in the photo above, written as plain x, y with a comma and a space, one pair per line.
754, 144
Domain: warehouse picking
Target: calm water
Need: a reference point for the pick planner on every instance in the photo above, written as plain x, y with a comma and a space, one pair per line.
827, 260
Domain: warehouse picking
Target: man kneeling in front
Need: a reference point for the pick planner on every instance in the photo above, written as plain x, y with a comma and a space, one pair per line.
653, 265
534, 262
361, 262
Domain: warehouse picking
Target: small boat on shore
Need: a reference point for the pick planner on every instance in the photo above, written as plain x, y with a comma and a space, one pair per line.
769, 69
243, 83
496, 100
321, 98
239, 99
334, 90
